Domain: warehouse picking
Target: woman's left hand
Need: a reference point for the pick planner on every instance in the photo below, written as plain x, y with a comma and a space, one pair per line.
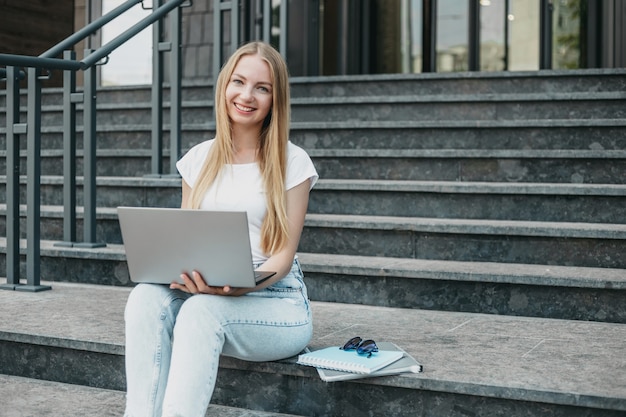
195, 284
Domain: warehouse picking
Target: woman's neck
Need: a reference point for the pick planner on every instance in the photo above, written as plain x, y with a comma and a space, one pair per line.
246, 146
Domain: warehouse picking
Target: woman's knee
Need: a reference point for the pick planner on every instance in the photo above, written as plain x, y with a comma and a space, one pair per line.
198, 321
149, 300
199, 306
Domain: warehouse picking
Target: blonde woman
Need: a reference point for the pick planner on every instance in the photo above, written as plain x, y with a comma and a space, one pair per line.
175, 335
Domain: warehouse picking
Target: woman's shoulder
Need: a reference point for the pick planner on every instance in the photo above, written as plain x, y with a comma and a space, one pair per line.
199, 150
296, 152
202, 146
299, 167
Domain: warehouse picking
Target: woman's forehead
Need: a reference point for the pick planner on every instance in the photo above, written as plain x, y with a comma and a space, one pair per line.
253, 65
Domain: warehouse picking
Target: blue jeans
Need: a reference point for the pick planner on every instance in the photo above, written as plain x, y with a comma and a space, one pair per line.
174, 340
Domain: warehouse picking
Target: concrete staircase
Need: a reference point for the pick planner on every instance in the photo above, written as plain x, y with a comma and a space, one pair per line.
476, 220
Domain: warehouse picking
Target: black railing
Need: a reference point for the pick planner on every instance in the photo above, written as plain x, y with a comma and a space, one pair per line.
48, 61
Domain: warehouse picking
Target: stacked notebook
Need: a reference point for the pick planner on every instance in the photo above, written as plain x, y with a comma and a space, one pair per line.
334, 364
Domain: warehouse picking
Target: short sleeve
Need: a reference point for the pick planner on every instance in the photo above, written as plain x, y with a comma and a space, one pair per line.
191, 163
299, 167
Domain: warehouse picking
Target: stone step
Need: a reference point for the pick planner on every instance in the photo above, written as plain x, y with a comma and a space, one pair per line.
191, 91
476, 107
573, 244
126, 113
457, 107
553, 291
594, 203
587, 203
32, 397
473, 364
122, 137
548, 291
598, 245
112, 191
477, 165
554, 134
547, 82
553, 81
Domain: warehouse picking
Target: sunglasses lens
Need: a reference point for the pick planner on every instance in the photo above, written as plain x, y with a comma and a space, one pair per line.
367, 346
352, 343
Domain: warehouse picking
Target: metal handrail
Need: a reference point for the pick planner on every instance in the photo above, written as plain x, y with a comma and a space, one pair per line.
106, 50
44, 60
48, 60
89, 30
3, 74
37, 62
32, 129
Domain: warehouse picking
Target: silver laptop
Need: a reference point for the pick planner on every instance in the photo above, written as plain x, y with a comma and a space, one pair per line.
162, 243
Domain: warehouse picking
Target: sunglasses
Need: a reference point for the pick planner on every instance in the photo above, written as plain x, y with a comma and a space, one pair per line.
363, 347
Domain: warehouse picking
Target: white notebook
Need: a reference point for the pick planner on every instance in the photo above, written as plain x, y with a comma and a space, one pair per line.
348, 360
405, 365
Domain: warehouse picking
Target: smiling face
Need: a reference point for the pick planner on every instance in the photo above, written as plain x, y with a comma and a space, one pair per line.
249, 92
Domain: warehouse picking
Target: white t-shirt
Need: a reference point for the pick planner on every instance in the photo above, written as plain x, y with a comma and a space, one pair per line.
240, 186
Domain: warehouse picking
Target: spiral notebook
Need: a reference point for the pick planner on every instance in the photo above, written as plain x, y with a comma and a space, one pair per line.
405, 365
348, 360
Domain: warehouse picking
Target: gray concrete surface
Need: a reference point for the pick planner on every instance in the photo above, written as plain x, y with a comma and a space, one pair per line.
532, 359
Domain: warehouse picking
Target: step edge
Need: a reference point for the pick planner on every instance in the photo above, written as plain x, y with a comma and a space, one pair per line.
383, 267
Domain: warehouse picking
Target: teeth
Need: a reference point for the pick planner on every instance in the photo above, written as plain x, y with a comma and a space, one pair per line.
243, 108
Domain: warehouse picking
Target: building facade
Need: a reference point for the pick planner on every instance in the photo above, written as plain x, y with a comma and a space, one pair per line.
337, 37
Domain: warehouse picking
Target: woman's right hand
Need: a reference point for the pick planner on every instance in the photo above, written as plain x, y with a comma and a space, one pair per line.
195, 284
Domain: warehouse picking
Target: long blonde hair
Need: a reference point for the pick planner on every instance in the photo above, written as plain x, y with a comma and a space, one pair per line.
273, 144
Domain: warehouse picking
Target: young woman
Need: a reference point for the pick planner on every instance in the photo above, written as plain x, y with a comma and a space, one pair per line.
175, 335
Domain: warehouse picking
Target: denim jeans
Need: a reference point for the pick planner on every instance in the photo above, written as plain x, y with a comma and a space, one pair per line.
174, 340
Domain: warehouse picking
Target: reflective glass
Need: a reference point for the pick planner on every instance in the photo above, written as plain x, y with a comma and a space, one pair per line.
523, 36
452, 35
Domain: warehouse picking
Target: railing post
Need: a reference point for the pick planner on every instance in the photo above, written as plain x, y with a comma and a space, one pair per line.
70, 98
219, 7
33, 186
473, 63
160, 47
89, 159
176, 17
13, 178
545, 27
157, 95
283, 18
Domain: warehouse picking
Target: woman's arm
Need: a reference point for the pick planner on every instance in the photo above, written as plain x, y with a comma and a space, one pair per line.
281, 262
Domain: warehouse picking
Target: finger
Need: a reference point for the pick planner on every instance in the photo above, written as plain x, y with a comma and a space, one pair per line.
189, 284
198, 280
177, 286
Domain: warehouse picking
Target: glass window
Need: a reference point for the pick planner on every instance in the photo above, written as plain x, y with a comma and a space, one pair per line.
492, 35
411, 36
566, 34
131, 63
523, 36
452, 35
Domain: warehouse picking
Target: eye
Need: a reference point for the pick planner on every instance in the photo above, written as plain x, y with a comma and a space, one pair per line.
264, 89
236, 81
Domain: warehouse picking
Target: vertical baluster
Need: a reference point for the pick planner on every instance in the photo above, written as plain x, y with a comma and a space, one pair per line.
175, 87
33, 186
89, 159
157, 95
13, 178
69, 153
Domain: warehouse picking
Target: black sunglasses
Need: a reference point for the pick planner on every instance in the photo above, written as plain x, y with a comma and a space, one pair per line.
363, 347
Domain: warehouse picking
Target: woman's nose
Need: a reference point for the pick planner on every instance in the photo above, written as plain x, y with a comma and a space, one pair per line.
246, 93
